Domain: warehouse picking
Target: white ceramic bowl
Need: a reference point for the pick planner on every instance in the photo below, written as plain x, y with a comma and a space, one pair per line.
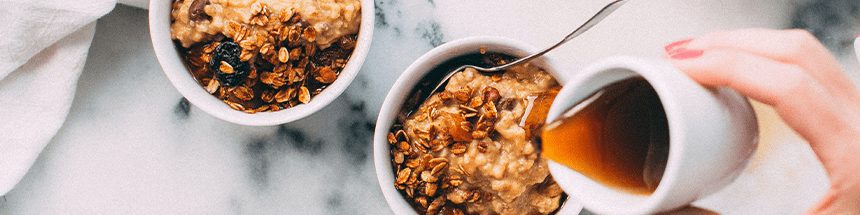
409, 79
173, 66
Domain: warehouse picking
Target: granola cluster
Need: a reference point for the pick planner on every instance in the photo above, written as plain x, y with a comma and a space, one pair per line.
468, 148
268, 62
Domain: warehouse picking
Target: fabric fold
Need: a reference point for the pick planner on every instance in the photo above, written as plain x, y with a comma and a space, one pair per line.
44, 48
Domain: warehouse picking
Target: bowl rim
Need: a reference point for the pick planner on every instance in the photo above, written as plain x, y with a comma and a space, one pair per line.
174, 68
412, 75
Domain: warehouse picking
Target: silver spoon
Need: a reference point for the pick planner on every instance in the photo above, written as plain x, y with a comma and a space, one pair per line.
603, 13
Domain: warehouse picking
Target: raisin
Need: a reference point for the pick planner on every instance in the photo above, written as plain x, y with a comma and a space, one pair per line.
229, 52
196, 11
491, 95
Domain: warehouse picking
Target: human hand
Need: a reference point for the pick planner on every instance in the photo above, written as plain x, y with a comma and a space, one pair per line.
793, 72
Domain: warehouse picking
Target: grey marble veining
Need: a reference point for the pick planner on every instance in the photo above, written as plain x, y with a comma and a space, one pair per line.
133, 145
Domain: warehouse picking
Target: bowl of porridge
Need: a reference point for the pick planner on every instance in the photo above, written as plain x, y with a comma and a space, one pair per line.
467, 149
261, 62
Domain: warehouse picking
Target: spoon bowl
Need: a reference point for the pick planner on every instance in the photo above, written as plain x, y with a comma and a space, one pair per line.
599, 16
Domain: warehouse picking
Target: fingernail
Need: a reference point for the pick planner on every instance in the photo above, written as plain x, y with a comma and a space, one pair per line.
682, 53
674, 45
858, 35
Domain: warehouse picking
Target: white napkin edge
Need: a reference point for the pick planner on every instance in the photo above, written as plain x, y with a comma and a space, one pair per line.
40, 119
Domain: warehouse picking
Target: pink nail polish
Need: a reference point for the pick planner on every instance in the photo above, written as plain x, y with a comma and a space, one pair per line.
674, 45
682, 54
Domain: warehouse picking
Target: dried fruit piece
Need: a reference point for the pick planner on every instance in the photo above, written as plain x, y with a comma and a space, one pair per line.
458, 127
491, 94
196, 11
228, 53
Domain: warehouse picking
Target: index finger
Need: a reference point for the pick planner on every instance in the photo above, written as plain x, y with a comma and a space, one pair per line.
797, 47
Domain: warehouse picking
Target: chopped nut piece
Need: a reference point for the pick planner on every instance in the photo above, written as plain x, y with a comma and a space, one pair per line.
461, 96
403, 146
391, 138
399, 157
476, 102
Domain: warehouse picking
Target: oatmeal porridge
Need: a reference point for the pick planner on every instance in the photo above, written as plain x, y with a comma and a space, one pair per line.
265, 55
468, 148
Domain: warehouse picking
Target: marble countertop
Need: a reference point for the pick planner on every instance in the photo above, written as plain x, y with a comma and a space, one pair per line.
133, 145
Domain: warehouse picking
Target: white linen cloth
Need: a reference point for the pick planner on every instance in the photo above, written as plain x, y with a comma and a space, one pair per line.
42, 53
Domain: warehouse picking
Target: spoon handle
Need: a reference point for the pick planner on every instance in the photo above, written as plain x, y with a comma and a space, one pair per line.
603, 13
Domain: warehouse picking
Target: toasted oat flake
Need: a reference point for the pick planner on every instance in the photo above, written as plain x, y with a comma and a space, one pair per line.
283, 95
304, 95
283, 55
243, 93
234, 105
213, 85
403, 175
226, 68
